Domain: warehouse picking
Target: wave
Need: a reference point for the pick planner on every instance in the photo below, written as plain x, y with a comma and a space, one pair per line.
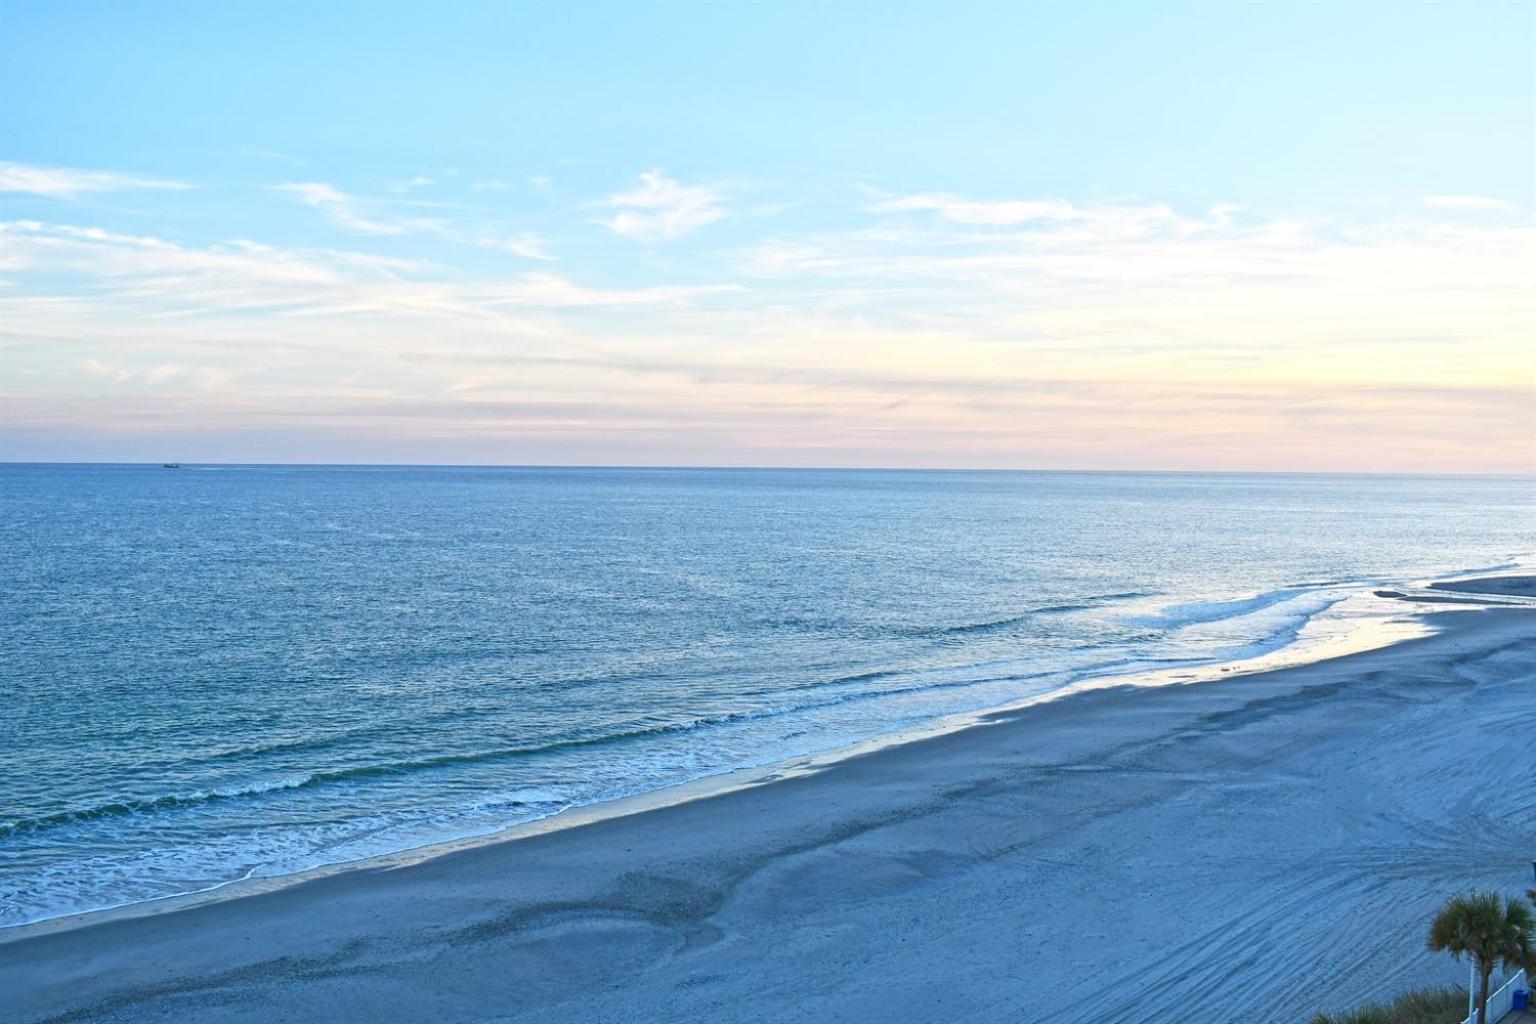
127, 808
995, 626
957, 678
910, 682
1009, 622
1282, 627
1194, 613
176, 801
1502, 567
857, 677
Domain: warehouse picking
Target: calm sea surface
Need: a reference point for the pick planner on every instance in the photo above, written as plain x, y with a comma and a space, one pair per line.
219, 672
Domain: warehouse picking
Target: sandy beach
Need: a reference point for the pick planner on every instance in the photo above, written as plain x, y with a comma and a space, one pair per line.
1257, 848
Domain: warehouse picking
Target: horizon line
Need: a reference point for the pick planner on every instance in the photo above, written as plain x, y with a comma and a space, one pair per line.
767, 468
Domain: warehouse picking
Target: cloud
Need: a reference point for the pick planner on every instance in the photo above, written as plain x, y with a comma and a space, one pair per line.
273, 155
65, 183
97, 368
660, 209
973, 211
549, 291
1070, 220
159, 280
527, 245
1143, 289
341, 209
1121, 334
1469, 203
419, 181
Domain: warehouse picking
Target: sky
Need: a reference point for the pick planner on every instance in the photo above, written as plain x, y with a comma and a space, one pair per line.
1089, 236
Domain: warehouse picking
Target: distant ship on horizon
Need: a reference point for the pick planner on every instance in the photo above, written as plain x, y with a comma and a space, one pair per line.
171, 465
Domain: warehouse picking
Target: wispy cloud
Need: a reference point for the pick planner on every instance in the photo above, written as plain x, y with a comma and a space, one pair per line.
69, 183
538, 181
1080, 222
1121, 334
97, 368
411, 184
979, 211
527, 245
343, 210
160, 280
1469, 203
661, 209
550, 291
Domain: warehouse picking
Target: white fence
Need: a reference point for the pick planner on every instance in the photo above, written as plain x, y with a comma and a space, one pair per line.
1502, 1000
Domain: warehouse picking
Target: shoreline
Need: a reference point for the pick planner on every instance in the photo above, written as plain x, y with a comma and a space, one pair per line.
1377, 625
677, 886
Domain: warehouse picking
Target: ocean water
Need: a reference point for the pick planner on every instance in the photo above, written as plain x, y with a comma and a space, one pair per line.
223, 672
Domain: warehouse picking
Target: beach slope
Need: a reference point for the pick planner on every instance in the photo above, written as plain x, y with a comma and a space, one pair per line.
1255, 848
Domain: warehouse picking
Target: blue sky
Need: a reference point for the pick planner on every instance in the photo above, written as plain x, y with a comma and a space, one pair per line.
768, 234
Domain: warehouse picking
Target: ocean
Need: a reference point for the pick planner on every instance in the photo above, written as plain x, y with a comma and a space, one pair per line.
223, 672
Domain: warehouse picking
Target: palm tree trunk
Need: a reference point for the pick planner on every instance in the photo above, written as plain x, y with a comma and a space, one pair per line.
1483, 975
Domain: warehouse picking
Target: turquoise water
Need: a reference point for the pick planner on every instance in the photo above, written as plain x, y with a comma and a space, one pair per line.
220, 672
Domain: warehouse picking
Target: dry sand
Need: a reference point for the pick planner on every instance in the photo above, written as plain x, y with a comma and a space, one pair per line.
1246, 850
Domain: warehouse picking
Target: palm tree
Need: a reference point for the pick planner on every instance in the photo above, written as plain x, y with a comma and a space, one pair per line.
1483, 926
